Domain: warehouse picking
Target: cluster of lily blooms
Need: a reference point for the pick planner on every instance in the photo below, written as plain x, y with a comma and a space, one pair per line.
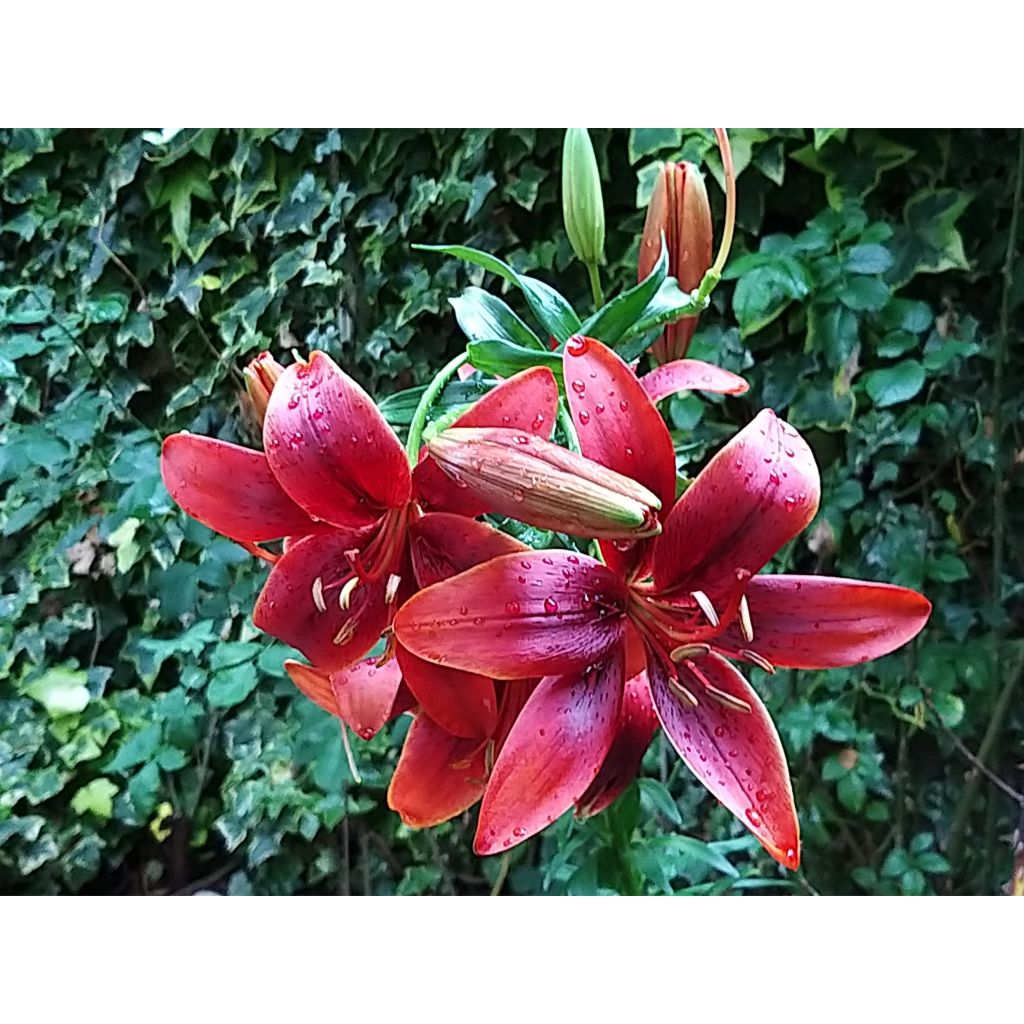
537, 678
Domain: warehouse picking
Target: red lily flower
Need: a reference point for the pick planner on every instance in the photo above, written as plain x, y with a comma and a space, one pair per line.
335, 481
688, 598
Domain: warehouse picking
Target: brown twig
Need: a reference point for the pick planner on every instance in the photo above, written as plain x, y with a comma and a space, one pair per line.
978, 765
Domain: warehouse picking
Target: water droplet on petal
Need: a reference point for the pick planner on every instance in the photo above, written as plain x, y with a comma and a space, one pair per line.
584, 417
550, 605
578, 386
512, 607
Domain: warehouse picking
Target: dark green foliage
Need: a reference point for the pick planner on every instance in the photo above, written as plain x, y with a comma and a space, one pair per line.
148, 737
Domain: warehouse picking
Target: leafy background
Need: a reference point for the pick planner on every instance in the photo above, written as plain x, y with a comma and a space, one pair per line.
149, 741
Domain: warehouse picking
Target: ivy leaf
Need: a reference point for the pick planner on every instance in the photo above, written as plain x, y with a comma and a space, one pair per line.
96, 797
895, 384
928, 242
61, 691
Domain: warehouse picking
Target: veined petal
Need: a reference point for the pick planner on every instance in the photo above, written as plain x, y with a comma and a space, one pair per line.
330, 448
735, 754
230, 489
518, 616
313, 684
823, 622
363, 696
438, 775
443, 545
330, 637
527, 402
637, 723
462, 703
553, 753
617, 422
691, 375
758, 492
368, 696
619, 427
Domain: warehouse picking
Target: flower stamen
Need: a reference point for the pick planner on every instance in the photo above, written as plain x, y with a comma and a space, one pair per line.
318, 594
746, 625
688, 651
345, 595
705, 605
759, 660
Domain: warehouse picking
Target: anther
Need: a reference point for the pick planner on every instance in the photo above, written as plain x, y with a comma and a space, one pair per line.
690, 651
345, 595
347, 631
318, 594
759, 660
705, 605
682, 692
392, 588
727, 699
746, 626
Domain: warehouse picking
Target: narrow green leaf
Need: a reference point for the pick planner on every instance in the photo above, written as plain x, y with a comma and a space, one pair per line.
484, 317
504, 358
613, 320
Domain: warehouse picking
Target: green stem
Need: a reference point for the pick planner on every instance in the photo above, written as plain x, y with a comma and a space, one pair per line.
1003, 703
595, 284
568, 427
427, 399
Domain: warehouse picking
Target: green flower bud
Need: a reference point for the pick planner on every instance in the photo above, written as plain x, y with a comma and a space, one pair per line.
582, 202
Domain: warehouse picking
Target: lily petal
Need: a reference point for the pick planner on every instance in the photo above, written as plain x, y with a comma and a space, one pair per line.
553, 753
369, 696
617, 422
736, 755
637, 724
824, 622
287, 608
438, 775
443, 545
758, 492
330, 448
230, 489
313, 684
528, 402
518, 616
691, 375
363, 696
462, 703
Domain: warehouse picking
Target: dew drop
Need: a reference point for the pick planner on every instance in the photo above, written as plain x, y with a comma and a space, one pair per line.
518, 495
293, 402
518, 832
577, 345
574, 560
624, 405
550, 605
547, 561
512, 607
463, 610
599, 408
538, 421
584, 417
719, 731
578, 386
521, 439
753, 817
629, 452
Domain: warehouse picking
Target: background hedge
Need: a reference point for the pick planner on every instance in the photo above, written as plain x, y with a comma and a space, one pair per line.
149, 741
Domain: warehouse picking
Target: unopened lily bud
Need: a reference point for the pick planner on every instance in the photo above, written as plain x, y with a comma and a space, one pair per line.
539, 483
260, 377
582, 202
680, 211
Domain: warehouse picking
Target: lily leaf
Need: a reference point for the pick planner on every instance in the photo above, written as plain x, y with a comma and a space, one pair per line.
505, 358
613, 320
553, 311
670, 303
483, 316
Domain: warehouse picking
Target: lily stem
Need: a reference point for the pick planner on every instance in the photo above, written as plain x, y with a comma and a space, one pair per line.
729, 173
595, 284
427, 399
1004, 701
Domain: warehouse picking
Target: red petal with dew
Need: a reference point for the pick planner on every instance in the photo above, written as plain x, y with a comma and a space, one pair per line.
637, 724
443, 545
757, 493
438, 775
617, 423
691, 375
230, 489
287, 607
735, 754
528, 402
553, 753
368, 696
823, 622
619, 427
461, 702
518, 616
330, 448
